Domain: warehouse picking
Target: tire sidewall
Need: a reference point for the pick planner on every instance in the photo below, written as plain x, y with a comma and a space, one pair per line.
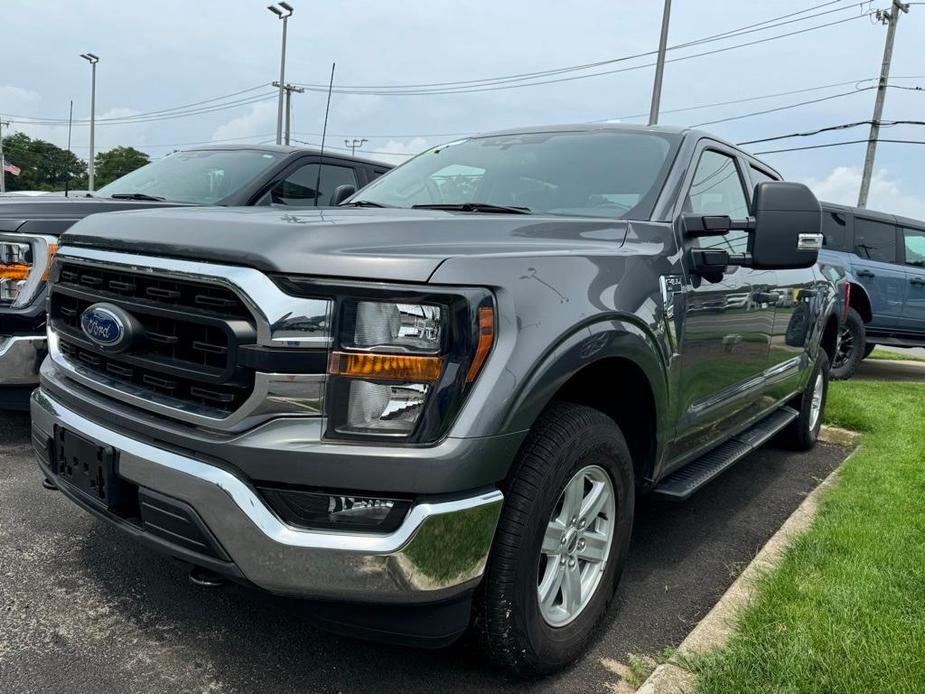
556, 646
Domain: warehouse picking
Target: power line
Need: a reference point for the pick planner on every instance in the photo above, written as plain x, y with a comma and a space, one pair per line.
839, 144
782, 108
844, 126
586, 66
386, 91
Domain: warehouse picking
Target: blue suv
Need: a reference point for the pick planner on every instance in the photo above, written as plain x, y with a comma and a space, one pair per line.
878, 261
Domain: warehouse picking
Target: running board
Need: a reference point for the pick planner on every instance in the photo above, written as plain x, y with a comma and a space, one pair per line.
680, 484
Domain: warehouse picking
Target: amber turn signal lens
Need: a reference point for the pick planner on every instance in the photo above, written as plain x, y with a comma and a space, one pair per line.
385, 367
486, 339
52, 249
14, 271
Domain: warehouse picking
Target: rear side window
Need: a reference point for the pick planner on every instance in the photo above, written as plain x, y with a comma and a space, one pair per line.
915, 246
835, 230
875, 240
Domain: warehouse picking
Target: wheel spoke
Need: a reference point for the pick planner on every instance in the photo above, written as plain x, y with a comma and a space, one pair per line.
595, 547
552, 540
571, 589
574, 493
594, 503
549, 588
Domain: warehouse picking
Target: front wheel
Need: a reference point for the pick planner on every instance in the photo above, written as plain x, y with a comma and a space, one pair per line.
561, 541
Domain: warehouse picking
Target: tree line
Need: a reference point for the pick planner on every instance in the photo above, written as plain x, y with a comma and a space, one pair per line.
45, 166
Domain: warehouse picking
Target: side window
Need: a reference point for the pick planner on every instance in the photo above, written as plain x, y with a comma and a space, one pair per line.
759, 176
717, 190
915, 246
298, 189
875, 240
835, 230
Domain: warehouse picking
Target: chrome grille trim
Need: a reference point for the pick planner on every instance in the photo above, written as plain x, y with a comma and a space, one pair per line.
281, 321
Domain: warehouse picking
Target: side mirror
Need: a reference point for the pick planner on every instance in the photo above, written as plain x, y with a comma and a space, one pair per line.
343, 192
787, 228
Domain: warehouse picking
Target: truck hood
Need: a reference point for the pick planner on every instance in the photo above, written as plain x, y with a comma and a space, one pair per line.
53, 215
368, 243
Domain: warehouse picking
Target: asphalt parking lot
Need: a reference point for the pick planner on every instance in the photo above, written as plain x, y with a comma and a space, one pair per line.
85, 610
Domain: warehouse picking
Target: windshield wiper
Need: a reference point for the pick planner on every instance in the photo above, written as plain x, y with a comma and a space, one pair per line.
362, 203
137, 196
472, 207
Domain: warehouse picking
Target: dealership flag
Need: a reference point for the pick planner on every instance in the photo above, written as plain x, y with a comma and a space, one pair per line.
10, 168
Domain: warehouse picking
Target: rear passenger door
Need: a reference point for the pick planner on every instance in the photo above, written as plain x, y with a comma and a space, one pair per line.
876, 265
914, 257
727, 326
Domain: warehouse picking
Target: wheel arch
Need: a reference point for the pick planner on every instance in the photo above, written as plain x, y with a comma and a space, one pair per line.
615, 366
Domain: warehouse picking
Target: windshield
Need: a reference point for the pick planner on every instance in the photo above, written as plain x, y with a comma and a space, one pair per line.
594, 174
198, 176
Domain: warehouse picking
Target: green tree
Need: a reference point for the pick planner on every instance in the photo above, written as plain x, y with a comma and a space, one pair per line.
44, 166
117, 162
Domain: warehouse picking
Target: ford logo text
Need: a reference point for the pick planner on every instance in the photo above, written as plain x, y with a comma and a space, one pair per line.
105, 325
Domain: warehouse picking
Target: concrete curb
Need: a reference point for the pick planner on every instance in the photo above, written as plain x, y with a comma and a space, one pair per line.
714, 630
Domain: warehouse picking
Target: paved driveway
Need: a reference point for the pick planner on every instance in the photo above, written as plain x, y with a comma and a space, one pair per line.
85, 610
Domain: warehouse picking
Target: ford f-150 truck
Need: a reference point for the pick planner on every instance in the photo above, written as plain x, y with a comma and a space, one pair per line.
434, 406
209, 175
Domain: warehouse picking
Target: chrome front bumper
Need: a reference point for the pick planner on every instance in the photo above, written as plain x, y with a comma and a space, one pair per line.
20, 359
440, 549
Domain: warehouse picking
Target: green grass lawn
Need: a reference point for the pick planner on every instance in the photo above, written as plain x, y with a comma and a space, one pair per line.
893, 356
845, 612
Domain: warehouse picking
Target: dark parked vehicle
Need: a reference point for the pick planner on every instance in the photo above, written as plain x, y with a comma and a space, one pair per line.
212, 175
442, 398
879, 262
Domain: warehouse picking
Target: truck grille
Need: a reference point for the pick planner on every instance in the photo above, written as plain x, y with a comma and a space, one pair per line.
188, 347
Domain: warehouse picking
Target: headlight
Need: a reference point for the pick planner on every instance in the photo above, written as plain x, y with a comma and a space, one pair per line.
24, 261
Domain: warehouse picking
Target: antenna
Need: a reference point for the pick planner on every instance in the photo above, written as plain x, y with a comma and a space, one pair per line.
324, 132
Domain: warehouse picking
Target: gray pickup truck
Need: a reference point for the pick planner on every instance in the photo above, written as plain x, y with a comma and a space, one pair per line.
433, 407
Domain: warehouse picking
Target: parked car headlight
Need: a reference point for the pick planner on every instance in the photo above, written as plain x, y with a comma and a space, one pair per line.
403, 358
24, 262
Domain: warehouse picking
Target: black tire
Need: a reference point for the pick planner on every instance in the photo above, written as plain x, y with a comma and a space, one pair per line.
868, 348
849, 352
803, 432
510, 626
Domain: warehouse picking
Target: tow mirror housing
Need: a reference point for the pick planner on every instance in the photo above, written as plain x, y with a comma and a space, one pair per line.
787, 227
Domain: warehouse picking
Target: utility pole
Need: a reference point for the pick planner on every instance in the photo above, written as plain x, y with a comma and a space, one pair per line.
889, 17
289, 88
3, 123
660, 66
93, 60
354, 144
283, 11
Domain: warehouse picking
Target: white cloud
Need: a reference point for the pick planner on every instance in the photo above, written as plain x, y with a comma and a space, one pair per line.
399, 150
259, 120
886, 193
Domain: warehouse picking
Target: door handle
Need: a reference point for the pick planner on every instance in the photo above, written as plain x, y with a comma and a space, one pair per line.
917, 282
767, 297
865, 273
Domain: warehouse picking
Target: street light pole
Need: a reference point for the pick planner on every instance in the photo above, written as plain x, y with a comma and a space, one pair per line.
93, 60
660, 66
2, 162
283, 11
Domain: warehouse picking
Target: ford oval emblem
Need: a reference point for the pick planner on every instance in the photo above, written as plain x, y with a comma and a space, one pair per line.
105, 325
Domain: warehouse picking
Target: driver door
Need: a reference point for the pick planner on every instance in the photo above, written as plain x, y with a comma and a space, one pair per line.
724, 345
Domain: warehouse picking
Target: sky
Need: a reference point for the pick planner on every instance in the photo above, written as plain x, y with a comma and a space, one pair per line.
160, 55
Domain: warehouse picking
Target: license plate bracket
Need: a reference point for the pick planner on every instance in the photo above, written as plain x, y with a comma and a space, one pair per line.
90, 469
